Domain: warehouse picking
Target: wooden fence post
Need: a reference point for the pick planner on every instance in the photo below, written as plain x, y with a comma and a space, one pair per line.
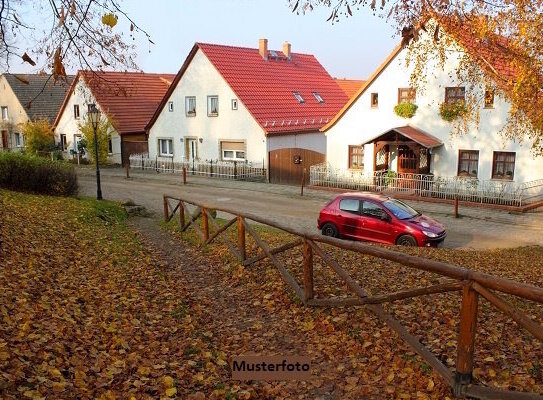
303, 183
166, 211
128, 170
181, 214
308, 271
455, 206
241, 239
205, 224
184, 175
466, 339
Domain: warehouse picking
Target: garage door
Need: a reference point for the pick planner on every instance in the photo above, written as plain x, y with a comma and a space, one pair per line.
287, 165
133, 144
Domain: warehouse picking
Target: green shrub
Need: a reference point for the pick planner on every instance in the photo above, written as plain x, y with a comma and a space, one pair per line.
450, 111
405, 110
29, 173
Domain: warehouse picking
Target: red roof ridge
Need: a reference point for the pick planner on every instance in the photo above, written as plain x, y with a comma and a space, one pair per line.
280, 51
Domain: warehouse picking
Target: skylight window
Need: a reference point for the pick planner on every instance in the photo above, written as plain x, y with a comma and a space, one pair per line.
299, 97
318, 97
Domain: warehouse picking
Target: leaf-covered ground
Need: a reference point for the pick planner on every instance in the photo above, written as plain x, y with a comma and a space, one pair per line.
91, 308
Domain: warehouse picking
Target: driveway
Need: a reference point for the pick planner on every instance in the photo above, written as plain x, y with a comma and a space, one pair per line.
477, 228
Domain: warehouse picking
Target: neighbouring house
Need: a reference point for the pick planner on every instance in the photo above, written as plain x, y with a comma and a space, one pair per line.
250, 105
367, 135
27, 97
349, 86
129, 99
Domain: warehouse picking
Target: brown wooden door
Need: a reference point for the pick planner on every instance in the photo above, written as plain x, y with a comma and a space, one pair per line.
407, 159
132, 144
5, 139
283, 168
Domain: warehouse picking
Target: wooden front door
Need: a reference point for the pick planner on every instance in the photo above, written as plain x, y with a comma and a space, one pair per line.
5, 139
407, 159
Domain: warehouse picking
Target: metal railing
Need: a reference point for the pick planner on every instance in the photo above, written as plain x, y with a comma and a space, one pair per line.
506, 193
236, 170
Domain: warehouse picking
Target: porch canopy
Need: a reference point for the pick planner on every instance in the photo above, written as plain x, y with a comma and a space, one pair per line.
411, 146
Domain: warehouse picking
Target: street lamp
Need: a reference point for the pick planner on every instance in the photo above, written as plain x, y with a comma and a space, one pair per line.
94, 117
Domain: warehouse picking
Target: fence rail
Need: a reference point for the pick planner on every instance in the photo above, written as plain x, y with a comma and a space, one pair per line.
465, 189
236, 170
471, 285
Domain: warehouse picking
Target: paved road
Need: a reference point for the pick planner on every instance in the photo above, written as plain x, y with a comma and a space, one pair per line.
478, 228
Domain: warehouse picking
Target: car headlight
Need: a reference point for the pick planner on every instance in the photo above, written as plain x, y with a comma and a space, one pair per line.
430, 234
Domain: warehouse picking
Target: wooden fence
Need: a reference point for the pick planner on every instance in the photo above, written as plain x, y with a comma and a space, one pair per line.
470, 284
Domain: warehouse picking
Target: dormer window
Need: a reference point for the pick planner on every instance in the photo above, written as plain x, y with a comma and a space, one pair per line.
318, 97
299, 97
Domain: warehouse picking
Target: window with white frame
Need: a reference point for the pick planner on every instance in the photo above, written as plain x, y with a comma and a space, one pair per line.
233, 151
63, 142
4, 113
298, 97
170, 106
234, 104
190, 106
17, 136
76, 111
165, 147
212, 106
110, 146
318, 97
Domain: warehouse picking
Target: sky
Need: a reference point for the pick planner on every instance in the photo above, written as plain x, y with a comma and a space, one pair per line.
352, 48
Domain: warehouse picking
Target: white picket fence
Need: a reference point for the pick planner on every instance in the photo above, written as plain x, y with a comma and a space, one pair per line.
465, 189
236, 170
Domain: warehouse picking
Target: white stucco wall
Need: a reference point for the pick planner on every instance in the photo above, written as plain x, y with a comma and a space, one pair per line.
362, 123
69, 125
16, 114
200, 80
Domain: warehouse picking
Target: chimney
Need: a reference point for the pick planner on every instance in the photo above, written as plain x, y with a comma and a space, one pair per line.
263, 48
286, 50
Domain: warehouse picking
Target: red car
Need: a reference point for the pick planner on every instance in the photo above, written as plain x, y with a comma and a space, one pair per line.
378, 218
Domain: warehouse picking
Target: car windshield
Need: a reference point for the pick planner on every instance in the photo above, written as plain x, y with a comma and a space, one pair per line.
400, 209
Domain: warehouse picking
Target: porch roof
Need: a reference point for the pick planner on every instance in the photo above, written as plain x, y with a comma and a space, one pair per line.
414, 134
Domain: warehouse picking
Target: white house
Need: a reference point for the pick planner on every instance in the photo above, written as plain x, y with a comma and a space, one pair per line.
247, 105
128, 98
27, 97
367, 134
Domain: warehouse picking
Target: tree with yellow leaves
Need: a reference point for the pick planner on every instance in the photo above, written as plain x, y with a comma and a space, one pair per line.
501, 40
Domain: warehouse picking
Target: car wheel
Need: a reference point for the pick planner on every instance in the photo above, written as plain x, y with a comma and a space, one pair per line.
329, 229
406, 240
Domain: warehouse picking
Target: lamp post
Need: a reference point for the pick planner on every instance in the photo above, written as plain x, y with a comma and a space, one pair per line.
94, 117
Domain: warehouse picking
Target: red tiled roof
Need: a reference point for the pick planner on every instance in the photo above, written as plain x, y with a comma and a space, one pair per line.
130, 98
349, 86
267, 88
416, 135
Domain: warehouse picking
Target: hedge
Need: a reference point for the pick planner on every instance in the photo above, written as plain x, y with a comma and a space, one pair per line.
30, 173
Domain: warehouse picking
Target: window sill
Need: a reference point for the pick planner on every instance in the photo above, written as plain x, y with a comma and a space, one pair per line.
488, 107
213, 115
190, 115
166, 155
502, 179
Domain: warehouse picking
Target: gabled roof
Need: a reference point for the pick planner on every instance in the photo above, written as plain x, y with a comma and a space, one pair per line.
349, 86
494, 57
130, 98
415, 134
266, 87
42, 93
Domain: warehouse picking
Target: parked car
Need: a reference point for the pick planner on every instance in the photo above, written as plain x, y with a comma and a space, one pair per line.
378, 218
